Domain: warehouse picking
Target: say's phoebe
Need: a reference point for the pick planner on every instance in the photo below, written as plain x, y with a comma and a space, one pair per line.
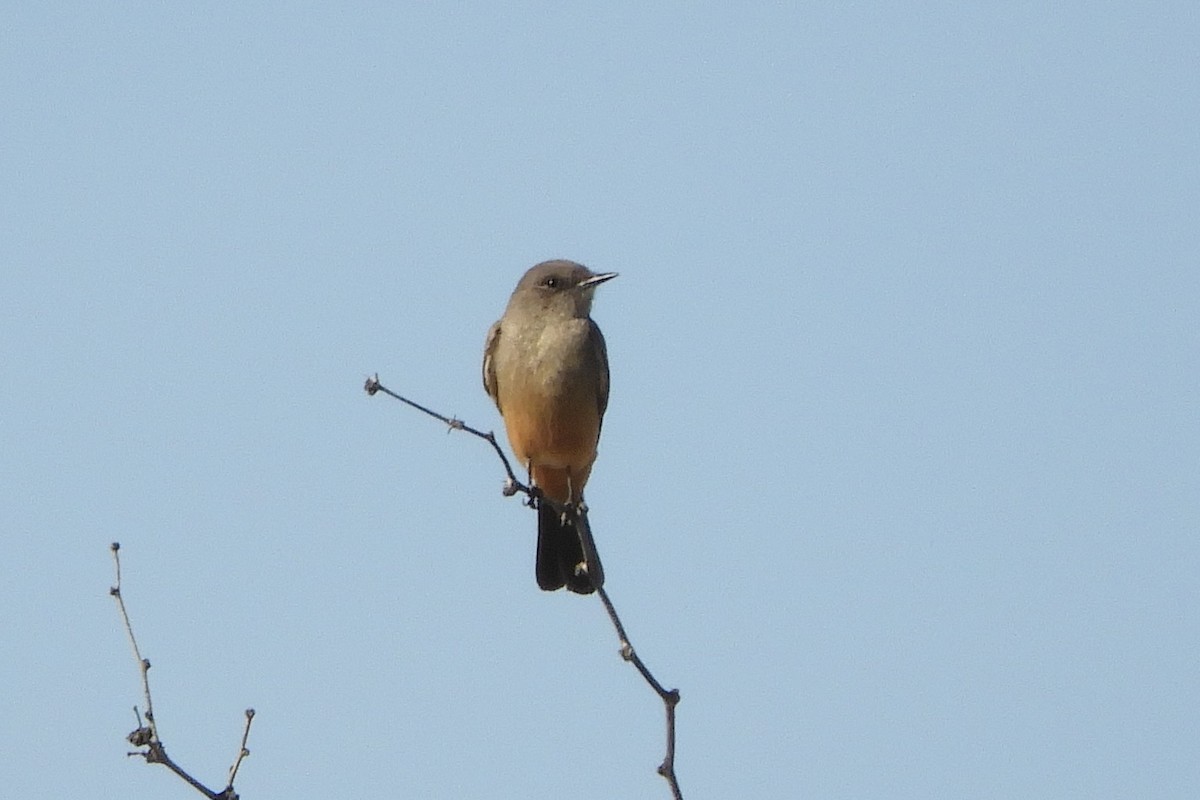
546, 367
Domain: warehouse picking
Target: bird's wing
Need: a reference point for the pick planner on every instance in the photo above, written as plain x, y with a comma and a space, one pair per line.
489, 364
600, 354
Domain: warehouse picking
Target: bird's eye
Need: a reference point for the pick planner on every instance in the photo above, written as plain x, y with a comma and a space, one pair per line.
551, 282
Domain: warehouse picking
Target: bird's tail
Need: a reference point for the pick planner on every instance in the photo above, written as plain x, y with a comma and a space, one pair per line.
564, 543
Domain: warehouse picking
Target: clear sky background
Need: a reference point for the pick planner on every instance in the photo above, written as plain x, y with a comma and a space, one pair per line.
900, 479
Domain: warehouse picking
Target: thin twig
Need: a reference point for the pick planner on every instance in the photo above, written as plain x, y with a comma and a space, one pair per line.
670, 697
512, 487
147, 735
151, 727
242, 752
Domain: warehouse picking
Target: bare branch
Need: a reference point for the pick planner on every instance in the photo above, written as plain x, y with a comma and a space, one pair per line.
670, 697
149, 732
242, 751
146, 734
511, 487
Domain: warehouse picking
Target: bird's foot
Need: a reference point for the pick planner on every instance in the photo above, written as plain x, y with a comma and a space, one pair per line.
535, 497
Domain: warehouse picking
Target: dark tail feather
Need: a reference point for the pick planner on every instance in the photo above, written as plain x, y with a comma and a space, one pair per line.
561, 546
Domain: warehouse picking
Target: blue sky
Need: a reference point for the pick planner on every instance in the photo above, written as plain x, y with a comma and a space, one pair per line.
900, 478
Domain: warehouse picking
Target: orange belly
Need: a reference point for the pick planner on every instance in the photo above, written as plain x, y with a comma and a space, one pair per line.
555, 437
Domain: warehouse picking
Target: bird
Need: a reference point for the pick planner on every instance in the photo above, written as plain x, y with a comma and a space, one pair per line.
545, 365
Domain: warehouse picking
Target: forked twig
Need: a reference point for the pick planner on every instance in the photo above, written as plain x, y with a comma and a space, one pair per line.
669, 697
146, 734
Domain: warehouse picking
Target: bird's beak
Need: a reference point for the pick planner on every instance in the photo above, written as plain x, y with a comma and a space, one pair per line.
596, 280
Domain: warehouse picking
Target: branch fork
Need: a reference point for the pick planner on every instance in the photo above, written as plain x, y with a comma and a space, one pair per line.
146, 733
